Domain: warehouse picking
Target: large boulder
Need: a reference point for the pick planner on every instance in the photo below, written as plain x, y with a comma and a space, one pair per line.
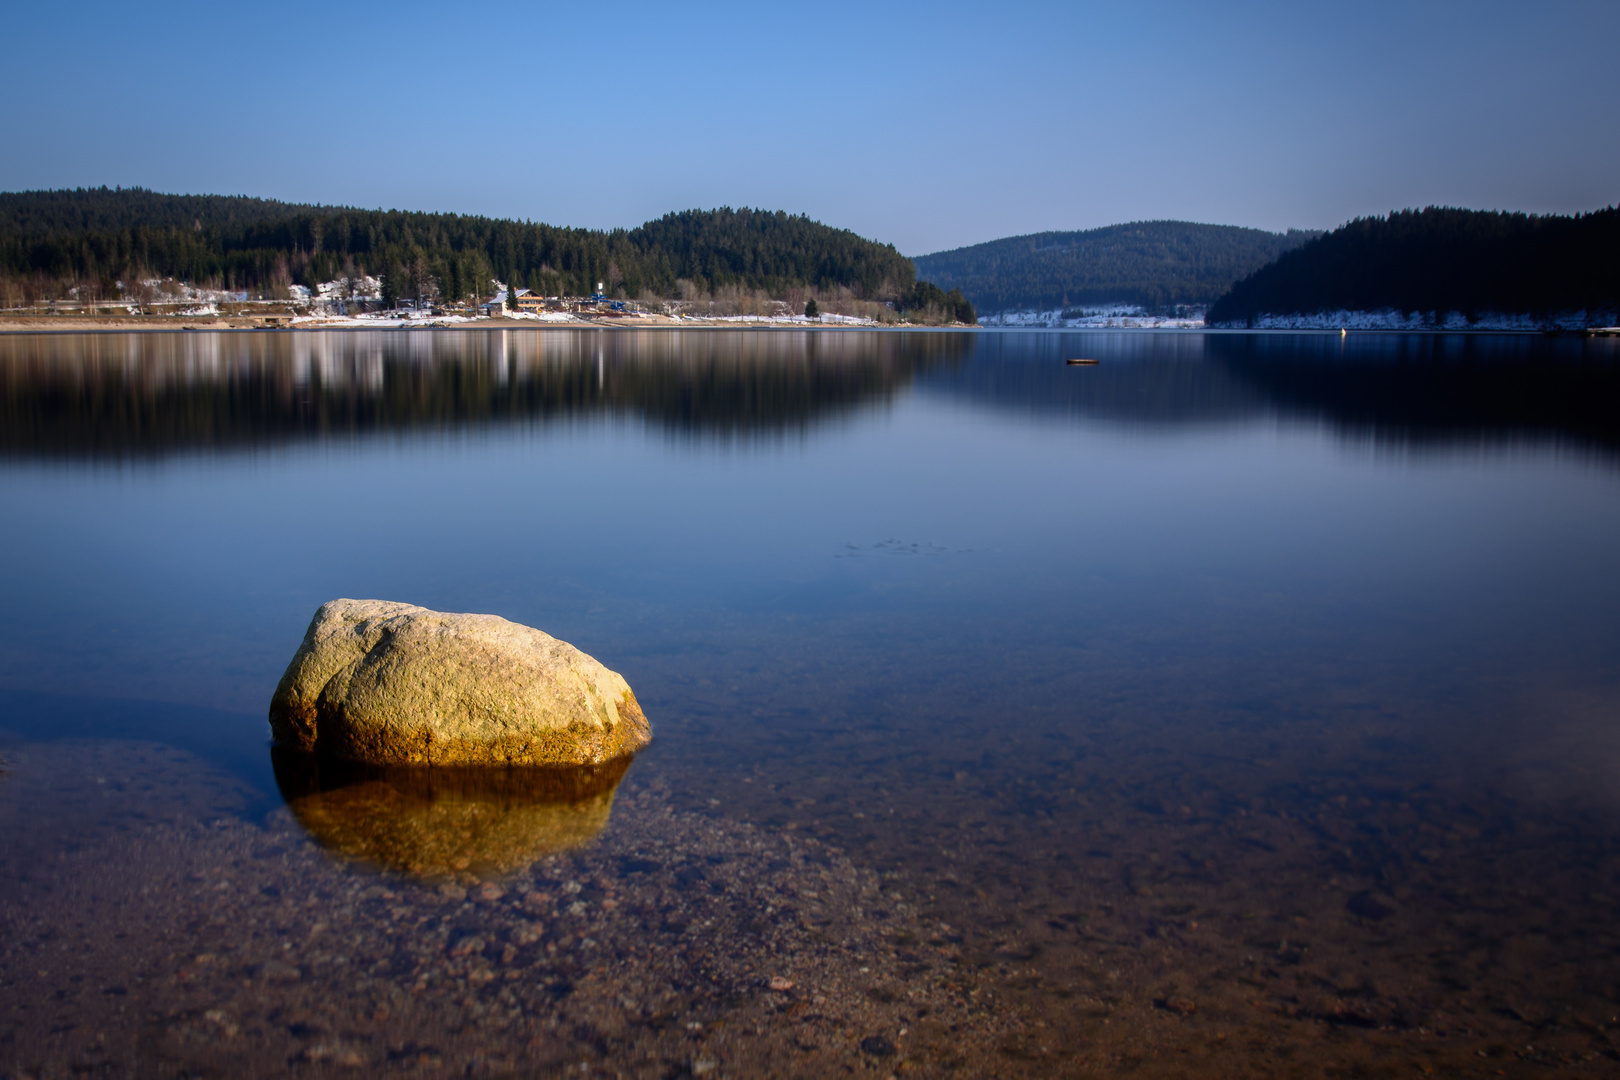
386, 683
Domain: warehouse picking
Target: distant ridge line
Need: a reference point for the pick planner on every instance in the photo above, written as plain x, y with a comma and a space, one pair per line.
1157, 265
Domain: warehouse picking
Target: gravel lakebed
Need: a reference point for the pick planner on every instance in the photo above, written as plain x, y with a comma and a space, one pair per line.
155, 921
676, 944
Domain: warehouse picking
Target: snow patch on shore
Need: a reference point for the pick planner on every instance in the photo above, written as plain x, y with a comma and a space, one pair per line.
383, 321
780, 320
1101, 317
542, 316
1125, 316
339, 289
1390, 319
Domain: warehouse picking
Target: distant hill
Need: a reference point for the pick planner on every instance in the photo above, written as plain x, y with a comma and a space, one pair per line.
103, 234
1152, 264
1441, 260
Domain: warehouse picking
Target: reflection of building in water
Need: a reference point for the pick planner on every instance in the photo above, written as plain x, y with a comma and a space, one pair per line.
447, 822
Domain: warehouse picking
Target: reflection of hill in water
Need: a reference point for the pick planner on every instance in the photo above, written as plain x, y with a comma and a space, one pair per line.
140, 395
1148, 380
1419, 391
132, 395
1406, 390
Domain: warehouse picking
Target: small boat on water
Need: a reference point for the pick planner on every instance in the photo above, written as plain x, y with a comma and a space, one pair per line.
1080, 362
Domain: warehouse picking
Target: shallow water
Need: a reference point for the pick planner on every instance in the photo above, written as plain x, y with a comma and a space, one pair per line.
1244, 705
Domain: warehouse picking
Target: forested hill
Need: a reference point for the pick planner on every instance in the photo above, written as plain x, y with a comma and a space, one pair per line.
235, 242
1153, 264
85, 210
1441, 260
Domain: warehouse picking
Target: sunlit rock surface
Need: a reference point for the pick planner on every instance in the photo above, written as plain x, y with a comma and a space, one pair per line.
388, 683
447, 822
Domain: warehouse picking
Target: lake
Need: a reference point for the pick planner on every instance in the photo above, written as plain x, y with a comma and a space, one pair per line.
1245, 704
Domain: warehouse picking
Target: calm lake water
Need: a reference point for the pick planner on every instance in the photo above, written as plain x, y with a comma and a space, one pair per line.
1243, 705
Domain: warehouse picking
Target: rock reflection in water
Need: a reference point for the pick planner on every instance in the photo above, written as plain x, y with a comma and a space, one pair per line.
447, 822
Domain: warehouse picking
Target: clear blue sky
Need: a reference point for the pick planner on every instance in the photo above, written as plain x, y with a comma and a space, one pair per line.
927, 126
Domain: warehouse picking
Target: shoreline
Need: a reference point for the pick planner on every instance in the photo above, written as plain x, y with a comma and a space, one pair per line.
71, 324
76, 324
160, 324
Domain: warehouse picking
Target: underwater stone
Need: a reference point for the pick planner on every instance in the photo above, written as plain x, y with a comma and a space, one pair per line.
394, 684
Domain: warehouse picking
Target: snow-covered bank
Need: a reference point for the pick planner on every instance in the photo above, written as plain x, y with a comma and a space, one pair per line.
785, 320
383, 321
1120, 317
423, 319
1428, 320
1105, 317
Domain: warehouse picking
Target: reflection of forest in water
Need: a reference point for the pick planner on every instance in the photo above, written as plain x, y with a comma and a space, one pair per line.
132, 395
1437, 390
1403, 390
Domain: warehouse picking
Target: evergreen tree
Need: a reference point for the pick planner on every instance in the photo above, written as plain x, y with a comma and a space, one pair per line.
811, 311
960, 309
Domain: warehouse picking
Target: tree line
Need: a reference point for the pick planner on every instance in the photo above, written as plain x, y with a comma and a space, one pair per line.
106, 235
938, 305
1441, 260
1157, 265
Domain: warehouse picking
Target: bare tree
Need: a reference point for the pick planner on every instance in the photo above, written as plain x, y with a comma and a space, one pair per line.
279, 287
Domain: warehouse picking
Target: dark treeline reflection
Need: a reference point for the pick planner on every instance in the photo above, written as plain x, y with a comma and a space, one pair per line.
1141, 379
1404, 390
143, 395
1417, 390
138, 395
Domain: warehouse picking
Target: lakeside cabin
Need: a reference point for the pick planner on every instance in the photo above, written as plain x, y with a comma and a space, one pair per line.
526, 301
